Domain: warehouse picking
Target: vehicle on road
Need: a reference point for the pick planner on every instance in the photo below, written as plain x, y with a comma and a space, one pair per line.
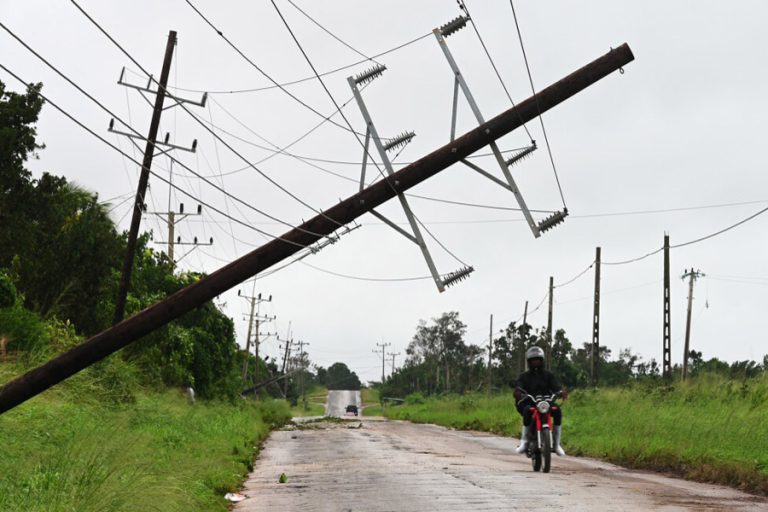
540, 442
352, 409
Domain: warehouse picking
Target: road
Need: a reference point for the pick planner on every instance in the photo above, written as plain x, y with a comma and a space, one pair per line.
377, 465
339, 400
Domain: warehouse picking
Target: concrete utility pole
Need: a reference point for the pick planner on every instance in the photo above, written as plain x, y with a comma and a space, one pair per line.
101, 345
171, 219
288, 342
548, 348
490, 355
521, 356
302, 368
596, 321
393, 360
692, 275
254, 317
138, 205
667, 336
383, 352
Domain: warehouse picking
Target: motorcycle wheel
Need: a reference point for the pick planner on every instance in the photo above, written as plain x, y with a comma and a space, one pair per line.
536, 459
546, 450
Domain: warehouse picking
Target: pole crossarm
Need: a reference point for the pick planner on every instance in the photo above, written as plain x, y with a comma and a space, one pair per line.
124, 333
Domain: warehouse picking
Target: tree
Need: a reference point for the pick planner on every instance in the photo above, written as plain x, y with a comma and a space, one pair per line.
339, 376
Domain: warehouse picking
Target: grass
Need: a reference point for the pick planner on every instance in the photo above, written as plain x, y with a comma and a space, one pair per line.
315, 404
371, 404
709, 429
71, 450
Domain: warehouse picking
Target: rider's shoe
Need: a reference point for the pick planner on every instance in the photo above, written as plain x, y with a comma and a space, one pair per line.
556, 440
523, 440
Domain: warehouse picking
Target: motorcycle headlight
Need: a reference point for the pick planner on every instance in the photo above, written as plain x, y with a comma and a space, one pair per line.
543, 407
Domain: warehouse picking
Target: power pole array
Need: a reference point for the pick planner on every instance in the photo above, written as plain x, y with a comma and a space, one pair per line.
692, 275
667, 337
596, 321
382, 349
101, 345
254, 317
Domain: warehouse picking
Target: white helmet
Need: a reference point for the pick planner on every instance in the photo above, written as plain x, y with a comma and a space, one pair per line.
533, 353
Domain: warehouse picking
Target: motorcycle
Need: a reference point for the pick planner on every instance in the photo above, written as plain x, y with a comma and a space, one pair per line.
540, 442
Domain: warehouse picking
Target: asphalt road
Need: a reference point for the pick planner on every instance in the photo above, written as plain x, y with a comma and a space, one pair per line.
339, 400
376, 465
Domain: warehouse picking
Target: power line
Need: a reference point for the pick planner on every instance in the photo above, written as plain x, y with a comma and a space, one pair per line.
182, 106
361, 278
575, 277
533, 90
313, 77
161, 178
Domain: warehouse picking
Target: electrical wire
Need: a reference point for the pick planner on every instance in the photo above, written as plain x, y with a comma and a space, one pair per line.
360, 278
182, 106
161, 178
566, 283
533, 91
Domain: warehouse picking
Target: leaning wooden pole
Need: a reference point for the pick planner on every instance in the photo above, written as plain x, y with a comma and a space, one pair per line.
131, 329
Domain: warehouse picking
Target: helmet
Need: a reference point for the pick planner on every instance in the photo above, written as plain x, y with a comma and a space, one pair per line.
533, 353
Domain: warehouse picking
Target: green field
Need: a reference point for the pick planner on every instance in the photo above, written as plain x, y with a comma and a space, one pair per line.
371, 405
158, 453
710, 429
315, 404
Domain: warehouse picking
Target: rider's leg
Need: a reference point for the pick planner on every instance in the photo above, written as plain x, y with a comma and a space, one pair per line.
557, 418
524, 408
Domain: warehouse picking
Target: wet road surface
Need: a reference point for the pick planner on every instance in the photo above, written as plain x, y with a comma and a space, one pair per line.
337, 402
378, 465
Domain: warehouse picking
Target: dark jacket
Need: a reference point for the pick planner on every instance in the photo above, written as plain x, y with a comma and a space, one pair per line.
541, 382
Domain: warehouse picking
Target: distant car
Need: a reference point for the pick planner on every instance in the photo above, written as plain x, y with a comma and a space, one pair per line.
352, 409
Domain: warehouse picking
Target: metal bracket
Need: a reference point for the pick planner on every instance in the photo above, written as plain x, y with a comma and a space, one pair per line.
459, 83
163, 143
382, 147
148, 88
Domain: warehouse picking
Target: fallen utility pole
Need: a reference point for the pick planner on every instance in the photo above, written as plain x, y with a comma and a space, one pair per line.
126, 332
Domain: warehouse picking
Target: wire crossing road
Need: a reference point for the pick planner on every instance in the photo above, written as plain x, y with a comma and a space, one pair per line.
399, 466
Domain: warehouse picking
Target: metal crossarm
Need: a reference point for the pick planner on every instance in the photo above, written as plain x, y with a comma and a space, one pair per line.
460, 83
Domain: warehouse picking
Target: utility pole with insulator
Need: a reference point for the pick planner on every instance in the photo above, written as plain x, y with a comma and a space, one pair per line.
490, 356
393, 354
139, 206
667, 337
382, 349
109, 341
172, 218
692, 275
596, 321
254, 318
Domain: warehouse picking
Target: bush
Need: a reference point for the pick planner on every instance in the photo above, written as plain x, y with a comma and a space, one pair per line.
414, 399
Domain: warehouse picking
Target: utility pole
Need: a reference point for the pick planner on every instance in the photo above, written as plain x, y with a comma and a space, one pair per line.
490, 354
138, 205
548, 348
383, 347
692, 275
288, 342
393, 360
302, 366
171, 219
521, 356
596, 321
99, 346
667, 335
254, 317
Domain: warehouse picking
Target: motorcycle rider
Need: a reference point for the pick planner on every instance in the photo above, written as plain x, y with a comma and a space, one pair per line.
538, 381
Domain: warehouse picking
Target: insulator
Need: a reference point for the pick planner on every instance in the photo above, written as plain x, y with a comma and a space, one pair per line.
521, 154
194, 145
167, 137
453, 26
178, 239
399, 141
210, 241
553, 220
111, 124
205, 98
370, 74
195, 240
181, 207
199, 209
459, 275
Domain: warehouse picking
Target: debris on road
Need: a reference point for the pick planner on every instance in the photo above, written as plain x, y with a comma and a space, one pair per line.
235, 497
283, 478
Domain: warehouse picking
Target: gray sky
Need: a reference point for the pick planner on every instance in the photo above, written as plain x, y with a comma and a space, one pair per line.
682, 127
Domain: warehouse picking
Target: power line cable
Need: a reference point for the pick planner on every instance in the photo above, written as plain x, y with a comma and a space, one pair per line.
181, 105
533, 91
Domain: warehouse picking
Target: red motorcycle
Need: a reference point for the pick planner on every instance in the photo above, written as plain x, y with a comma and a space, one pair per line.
540, 442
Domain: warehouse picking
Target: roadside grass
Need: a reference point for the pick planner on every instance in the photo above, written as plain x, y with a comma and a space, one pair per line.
371, 404
709, 429
69, 449
315, 404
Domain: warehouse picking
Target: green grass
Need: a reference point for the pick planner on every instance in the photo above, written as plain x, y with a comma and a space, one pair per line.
709, 429
315, 405
71, 450
371, 405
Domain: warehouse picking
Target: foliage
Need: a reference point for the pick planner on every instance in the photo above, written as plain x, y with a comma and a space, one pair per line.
339, 376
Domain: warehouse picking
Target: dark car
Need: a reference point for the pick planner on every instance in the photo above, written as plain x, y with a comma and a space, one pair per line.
352, 409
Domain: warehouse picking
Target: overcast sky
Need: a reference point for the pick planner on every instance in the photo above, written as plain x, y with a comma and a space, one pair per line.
683, 127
